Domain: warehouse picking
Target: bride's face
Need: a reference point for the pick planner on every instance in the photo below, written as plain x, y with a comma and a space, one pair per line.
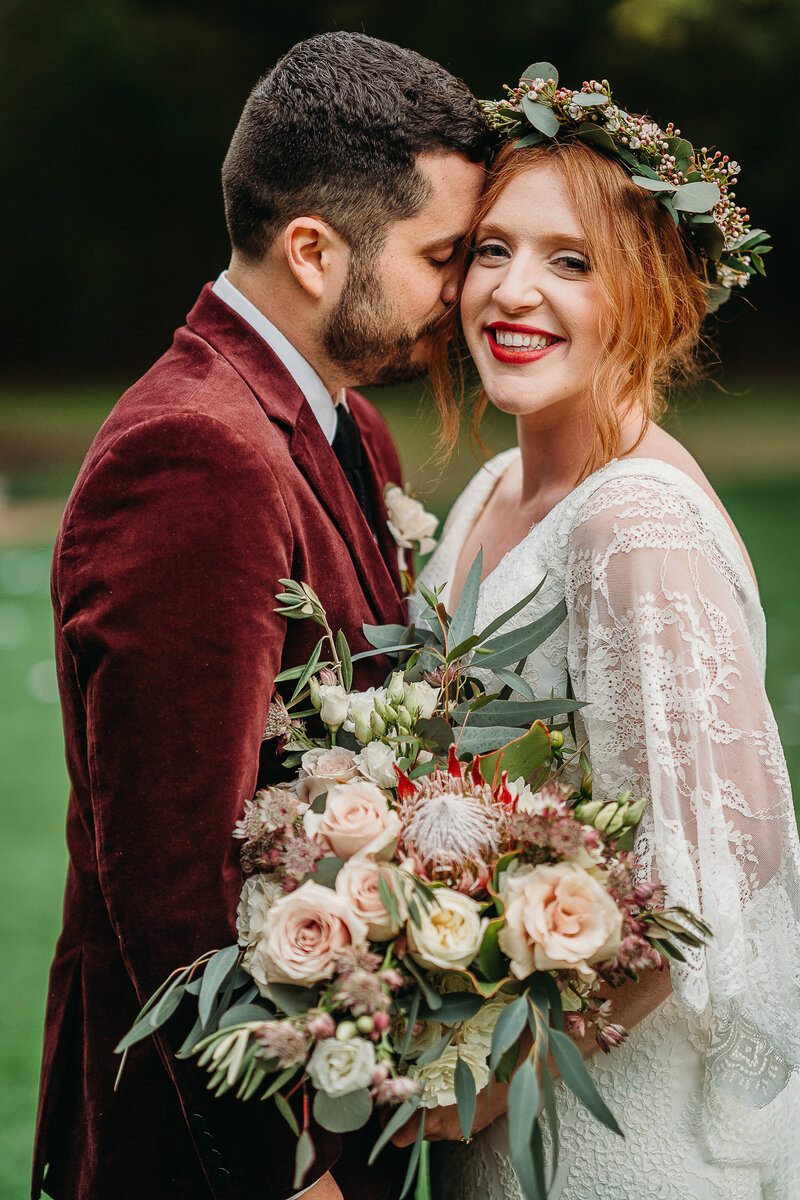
531, 307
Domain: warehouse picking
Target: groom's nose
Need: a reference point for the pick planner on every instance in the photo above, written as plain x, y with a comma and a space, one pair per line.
449, 291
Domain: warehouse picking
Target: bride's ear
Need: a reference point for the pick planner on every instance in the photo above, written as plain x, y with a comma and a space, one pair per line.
317, 256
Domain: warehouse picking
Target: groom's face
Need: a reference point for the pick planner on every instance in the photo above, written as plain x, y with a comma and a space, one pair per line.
390, 303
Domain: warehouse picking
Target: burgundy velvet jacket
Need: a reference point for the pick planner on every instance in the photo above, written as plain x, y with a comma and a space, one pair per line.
209, 481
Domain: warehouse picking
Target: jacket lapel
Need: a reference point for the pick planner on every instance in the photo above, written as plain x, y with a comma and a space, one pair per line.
282, 401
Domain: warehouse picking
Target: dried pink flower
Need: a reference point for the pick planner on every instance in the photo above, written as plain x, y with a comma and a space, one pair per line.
283, 1041
319, 1024
361, 992
609, 1036
355, 958
395, 1090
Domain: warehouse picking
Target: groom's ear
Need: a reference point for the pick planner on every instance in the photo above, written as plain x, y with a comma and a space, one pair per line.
316, 254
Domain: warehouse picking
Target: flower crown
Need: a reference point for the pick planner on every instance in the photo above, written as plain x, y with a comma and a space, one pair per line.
693, 185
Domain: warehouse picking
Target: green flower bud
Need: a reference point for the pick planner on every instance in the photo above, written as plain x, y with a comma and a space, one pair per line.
603, 818
617, 821
556, 739
383, 710
313, 687
587, 810
404, 718
363, 728
377, 723
365, 1024
396, 692
633, 814
586, 783
346, 1030
624, 798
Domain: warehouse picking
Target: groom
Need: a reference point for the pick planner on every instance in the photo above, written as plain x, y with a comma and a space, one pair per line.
236, 460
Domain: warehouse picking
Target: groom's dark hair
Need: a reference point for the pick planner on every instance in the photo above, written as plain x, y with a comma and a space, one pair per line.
333, 130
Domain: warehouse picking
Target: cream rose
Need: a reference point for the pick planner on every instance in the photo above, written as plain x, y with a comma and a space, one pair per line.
408, 522
302, 935
321, 769
357, 884
376, 763
437, 1079
357, 818
341, 1067
450, 932
334, 704
557, 916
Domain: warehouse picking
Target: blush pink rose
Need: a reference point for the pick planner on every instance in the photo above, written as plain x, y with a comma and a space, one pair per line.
557, 916
357, 819
302, 935
357, 884
321, 769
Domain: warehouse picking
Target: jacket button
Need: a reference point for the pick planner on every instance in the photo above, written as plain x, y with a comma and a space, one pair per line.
197, 1122
220, 1177
205, 1141
214, 1158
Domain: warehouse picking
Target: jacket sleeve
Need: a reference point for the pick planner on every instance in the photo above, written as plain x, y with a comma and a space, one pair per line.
171, 558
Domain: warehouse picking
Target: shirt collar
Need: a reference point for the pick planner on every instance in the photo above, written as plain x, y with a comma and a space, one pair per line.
304, 375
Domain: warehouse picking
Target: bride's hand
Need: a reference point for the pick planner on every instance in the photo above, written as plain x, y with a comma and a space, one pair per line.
442, 1124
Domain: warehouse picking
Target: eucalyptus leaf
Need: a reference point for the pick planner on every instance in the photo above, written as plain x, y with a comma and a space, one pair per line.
433, 1052
462, 625
490, 960
292, 1000
398, 1119
455, 1006
483, 740
219, 970
241, 1013
539, 70
413, 1161
508, 1028
466, 1097
508, 648
195, 1034
511, 712
589, 99
506, 616
287, 1114
326, 870
343, 1114
541, 116
413, 1016
572, 1069
697, 197
549, 1095
505, 1068
654, 184
280, 1081
534, 138
435, 731
432, 998
523, 1104
514, 681
596, 136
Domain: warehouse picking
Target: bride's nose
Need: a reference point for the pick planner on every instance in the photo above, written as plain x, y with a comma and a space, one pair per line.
519, 288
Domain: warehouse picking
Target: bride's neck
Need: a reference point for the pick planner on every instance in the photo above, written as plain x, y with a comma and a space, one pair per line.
555, 448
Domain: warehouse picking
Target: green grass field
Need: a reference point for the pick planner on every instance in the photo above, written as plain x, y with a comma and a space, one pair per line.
748, 443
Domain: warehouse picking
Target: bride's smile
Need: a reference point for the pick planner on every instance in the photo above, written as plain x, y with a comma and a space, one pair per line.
531, 307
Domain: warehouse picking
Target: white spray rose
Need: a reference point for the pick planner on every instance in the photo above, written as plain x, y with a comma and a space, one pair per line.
363, 703
408, 522
334, 704
450, 932
422, 698
376, 763
341, 1067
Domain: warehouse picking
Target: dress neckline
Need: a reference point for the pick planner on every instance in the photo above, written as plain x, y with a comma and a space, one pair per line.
488, 477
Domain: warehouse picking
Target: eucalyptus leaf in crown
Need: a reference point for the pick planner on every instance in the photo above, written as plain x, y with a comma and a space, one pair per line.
694, 186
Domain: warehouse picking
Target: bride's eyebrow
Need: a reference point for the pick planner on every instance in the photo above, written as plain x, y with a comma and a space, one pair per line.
549, 240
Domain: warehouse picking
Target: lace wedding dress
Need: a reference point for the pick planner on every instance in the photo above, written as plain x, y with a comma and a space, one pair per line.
665, 636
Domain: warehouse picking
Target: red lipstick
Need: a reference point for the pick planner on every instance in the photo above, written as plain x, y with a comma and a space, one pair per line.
519, 354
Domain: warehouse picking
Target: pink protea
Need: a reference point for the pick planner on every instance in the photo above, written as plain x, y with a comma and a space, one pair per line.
609, 1036
454, 827
319, 1024
395, 1090
283, 1041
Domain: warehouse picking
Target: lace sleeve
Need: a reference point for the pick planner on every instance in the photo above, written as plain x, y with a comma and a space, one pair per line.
660, 643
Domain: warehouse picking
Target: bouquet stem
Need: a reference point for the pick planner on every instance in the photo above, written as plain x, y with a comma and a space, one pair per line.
423, 1188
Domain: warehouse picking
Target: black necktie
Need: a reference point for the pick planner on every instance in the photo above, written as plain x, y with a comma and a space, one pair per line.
349, 451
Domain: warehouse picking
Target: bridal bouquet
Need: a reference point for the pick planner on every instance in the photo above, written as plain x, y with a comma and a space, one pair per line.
430, 900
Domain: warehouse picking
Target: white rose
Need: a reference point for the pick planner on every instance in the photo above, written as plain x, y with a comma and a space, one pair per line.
321, 769
341, 1067
258, 895
437, 1079
450, 932
363, 703
423, 698
408, 522
426, 1034
376, 763
334, 704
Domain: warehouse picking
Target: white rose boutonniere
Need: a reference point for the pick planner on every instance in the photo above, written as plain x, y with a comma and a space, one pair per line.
410, 525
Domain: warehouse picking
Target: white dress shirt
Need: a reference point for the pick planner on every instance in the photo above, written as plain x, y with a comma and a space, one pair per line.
304, 375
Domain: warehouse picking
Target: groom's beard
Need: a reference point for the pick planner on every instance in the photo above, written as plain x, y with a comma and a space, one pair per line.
364, 334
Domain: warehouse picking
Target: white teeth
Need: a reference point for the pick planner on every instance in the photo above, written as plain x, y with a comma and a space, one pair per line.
505, 337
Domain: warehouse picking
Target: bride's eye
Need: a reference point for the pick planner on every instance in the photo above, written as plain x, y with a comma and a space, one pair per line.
572, 264
489, 252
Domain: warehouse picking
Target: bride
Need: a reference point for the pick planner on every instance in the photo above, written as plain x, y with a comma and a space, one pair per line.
584, 297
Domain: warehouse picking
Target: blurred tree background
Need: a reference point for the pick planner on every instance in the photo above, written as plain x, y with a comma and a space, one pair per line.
114, 119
